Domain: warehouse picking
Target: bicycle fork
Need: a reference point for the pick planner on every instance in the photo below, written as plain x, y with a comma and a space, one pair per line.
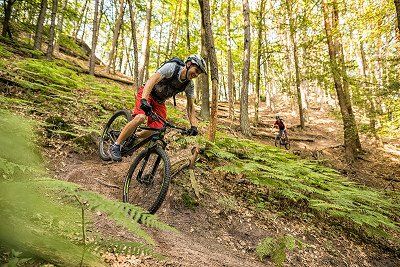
147, 180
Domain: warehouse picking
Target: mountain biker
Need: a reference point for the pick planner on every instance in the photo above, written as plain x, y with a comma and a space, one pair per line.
281, 125
172, 77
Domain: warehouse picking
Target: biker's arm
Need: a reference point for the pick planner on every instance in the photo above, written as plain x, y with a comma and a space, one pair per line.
153, 80
191, 111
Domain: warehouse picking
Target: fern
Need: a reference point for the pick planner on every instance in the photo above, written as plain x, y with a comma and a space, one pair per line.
40, 216
322, 189
276, 248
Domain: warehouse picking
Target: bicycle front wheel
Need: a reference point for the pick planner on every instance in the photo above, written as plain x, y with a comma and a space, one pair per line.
148, 178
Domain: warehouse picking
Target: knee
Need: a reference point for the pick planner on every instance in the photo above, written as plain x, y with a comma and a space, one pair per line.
140, 118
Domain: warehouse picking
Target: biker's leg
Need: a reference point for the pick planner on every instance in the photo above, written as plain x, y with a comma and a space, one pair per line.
280, 134
144, 133
130, 127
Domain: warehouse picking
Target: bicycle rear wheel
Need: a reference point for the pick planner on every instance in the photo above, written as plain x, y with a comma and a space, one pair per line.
287, 144
148, 178
111, 132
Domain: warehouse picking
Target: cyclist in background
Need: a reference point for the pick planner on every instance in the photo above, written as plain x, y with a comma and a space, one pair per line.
281, 125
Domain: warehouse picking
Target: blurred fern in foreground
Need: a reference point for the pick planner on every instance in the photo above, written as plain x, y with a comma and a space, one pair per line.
40, 216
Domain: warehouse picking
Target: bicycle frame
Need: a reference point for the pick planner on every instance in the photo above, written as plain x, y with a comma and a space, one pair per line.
158, 134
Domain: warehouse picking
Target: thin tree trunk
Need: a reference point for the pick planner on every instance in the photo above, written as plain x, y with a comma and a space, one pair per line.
296, 61
117, 28
244, 101
7, 17
84, 23
127, 61
351, 139
187, 25
39, 26
160, 36
171, 29
132, 13
369, 93
258, 64
78, 25
60, 24
92, 60
121, 49
177, 25
397, 4
205, 13
204, 85
50, 47
231, 97
145, 43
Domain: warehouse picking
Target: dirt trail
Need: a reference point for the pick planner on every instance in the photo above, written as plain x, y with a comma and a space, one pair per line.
212, 235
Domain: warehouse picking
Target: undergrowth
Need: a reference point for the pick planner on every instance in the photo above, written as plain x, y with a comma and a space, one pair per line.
41, 218
306, 184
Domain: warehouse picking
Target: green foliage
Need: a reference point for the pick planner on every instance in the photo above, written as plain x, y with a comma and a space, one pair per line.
306, 184
228, 203
4, 53
189, 201
40, 217
276, 248
69, 43
57, 89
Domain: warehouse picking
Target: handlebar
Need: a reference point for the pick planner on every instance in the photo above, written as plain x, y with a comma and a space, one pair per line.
157, 117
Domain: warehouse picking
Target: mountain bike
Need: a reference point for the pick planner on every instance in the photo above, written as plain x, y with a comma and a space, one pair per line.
282, 140
149, 175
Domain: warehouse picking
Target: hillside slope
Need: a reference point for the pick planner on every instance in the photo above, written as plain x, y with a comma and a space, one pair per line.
300, 211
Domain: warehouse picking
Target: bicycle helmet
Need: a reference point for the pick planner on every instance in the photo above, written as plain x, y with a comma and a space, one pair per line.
198, 61
277, 117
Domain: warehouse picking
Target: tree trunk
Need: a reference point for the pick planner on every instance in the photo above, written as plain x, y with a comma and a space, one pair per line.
203, 79
187, 25
84, 23
117, 28
296, 61
60, 24
79, 22
120, 49
50, 46
244, 101
160, 35
371, 110
397, 4
205, 14
145, 43
7, 17
132, 12
92, 60
231, 96
39, 26
171, 29
177, 26
351, 139
260, 25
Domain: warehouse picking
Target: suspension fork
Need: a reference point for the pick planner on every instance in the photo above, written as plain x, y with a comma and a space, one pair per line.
146, 158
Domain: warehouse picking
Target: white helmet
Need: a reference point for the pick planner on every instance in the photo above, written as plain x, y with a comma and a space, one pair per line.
198, 61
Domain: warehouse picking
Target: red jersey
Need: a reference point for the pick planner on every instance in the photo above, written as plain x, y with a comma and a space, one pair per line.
280, 124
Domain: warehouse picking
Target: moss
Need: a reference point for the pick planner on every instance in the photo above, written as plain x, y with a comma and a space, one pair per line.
276, 248
69, 43
4, 53
189, 201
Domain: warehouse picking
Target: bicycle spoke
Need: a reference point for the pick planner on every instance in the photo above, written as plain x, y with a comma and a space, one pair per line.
145, 184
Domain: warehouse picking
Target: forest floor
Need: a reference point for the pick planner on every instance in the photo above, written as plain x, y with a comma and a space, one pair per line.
212, 233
